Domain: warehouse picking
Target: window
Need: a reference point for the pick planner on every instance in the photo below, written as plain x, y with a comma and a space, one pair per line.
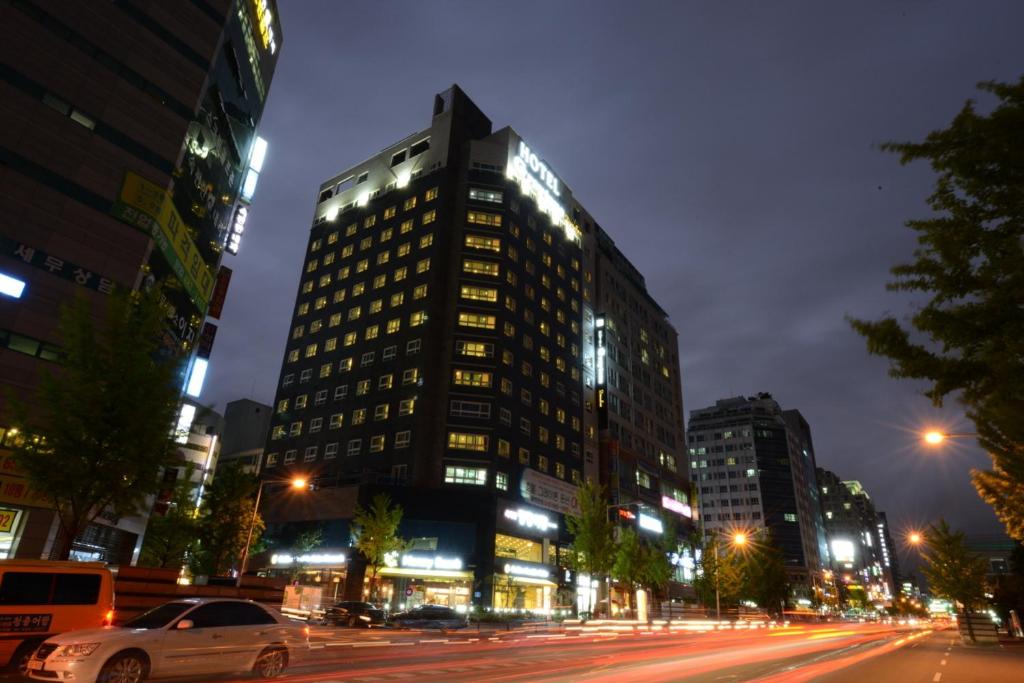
423, 266
354, 447
504, 448
475, 349
479, 293
336, 421
542, 463
380, 412
271, 459
476, 476
400, 273
288, 380
310, 454
404, 249
402, 439
340, 392
481, 218
43, 588
330, 451
406, 406
385, 382
389, 353
406, 225
471, 378
428, 218
472, 409
277, 433
501, 481
344, 365
426, 240
320, 398
390, 212
377, 443
419, 292
289, 457
413, 346
410, 376
481, 195
372, 332
366, 359
789, 516
362, 387
417, 318
478, 320
467, 442
481, 242
431, 194
480, 267
359, 416
410, 203
376, 305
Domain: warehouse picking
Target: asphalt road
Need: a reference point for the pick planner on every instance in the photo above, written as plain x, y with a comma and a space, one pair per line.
832, 653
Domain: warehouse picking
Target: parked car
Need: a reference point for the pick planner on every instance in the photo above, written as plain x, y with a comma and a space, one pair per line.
190, 637
353, 614
429, 616
39, 599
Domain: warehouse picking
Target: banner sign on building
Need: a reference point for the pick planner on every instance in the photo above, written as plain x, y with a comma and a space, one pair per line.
220, 292
55, 265
205, 346
549, 493
146, 205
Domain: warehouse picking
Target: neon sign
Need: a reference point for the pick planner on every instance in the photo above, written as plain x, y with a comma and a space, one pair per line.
265, 21
677, 507
536, 180
527, 570
531, 519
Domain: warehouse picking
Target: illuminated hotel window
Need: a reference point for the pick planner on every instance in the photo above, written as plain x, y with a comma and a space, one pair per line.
372, 332
321, 301
315, 246
362, 266
383, 257
339, 296
282, 405
500, 481
359, 416
376, 305
351, 230
506, 386
504, 448
385, 382
377, 443
560, 470
426, 240
524, 456
404, 249
394, 325
345, 364
298, 331
419, 292
477, 349
380, 281
362, 387
311, 350
386, 234
402, 439
481, 267
307, 287
358, 288
369, 221
476, 476
325, 370
423, 265
410, 376
405, 227
429, 217
467, 442
400, 274
478, 320
430, 195
312, 265
417, 318
397, 299
390, 212
478, 293
347, 251
542, 463
328, 259
381, 412
406, 406
410, 203
486, 243
355, 312
271, 459
350, 338
481, 218
481, 195
337, 420
471, 378
277, 433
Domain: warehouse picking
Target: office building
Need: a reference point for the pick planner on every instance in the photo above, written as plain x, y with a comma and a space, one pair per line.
246, 425
862, 554
436, 351
754, 464
127, 157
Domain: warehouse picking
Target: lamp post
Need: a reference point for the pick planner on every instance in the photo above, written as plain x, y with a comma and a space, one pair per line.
934, 437
297, 484
739, 539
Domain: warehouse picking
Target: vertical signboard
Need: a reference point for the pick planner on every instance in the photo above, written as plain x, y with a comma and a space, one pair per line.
601, 371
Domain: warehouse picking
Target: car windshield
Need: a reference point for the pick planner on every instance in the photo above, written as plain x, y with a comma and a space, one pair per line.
158, 617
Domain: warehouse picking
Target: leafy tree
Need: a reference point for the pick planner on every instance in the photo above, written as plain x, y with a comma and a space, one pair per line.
970, 261
376, 535
307, 542
628, 567
953, 572
104, 414
593, 544
170, 536
224, 518
722, 568
764, 576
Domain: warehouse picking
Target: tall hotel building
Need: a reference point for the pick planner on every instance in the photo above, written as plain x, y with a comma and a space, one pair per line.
754, 464
442, 349
128, 153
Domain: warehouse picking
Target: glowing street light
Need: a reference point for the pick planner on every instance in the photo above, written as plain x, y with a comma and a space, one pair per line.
739, 538
296, 484
934, 437
915, 538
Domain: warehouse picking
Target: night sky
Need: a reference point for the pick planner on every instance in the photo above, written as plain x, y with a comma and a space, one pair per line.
730, 149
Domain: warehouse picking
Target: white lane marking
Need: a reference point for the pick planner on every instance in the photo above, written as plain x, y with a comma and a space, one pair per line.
936, 678
942, 663
380, 644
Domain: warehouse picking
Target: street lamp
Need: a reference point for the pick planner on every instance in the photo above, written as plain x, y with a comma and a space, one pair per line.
934, 437
296, 484
738, 539
915, 538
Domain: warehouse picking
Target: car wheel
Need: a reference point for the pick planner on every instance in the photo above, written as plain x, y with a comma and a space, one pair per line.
19, 662
324, 621
128, 667
353, 622
271, 663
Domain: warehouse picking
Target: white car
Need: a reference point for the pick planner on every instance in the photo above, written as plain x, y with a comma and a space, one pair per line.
189, 637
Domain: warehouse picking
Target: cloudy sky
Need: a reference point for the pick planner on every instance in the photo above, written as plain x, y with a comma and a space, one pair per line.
730, 148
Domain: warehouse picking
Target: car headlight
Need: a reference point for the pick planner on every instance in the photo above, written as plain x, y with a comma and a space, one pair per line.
79, 649
364, 617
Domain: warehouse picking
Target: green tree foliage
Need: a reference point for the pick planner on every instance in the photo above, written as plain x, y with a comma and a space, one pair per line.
764, 576
375, 530
170, 536
953, 572
593, 546
970, 262
628, 567
306, 542
224, 518
105, 415
722, 566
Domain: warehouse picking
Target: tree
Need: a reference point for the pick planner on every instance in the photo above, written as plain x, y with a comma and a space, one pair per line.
104, 415
970, 261
224, 518
953, 572
721, 568
307, 542
376, 535
764, 576
170, 536
592, 552
628, 567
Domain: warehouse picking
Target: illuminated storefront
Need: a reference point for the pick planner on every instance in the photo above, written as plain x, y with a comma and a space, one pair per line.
525, 559
424, 578
323, 572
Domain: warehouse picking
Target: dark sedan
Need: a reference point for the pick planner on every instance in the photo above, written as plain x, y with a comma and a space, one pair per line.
429, 616
353, 614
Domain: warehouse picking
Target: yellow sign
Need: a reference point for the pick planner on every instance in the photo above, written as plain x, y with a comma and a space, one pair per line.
7, 520
146, 205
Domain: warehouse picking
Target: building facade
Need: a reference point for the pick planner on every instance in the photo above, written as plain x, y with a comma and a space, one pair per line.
436, 351
754, 466
862, 554
246, 425
127, 157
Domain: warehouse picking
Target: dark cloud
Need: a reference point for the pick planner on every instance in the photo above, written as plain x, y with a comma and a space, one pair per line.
730, 148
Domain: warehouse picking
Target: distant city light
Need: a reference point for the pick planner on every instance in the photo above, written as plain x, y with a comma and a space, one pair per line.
649, 523
11, 286
934, 437
197, 377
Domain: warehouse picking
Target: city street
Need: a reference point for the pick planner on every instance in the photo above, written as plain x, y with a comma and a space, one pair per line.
838, 652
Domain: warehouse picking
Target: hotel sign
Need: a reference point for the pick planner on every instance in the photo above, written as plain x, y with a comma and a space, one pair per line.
536, 180
549, 493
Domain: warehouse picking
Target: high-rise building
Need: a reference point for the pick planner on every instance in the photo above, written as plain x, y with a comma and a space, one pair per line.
246, 425
754, 465
436, 350
862, 554
128, 154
